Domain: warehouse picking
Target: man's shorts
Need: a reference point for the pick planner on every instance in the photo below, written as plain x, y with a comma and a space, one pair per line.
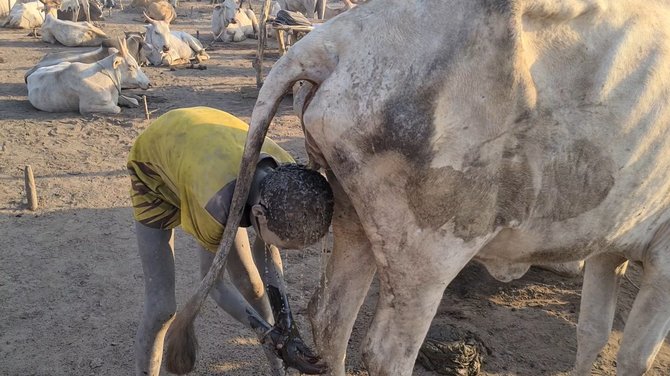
154, 205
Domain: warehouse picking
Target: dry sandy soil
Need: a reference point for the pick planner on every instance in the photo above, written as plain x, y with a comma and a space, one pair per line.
71, 284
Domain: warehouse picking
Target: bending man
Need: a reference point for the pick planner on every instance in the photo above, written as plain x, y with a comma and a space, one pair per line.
183, 169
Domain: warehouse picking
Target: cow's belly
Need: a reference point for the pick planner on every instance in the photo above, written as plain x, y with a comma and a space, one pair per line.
512, 251
46, 99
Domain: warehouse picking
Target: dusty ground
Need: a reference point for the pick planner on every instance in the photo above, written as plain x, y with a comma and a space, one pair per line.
71, 282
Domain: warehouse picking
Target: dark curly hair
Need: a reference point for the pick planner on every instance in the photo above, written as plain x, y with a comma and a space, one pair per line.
298, 203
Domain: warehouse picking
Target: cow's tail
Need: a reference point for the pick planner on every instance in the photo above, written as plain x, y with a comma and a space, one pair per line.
308, 60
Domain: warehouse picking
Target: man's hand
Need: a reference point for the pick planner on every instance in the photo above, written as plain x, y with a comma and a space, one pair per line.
288, 345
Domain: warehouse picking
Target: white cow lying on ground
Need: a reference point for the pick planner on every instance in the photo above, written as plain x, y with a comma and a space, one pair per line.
518, 132
25, 15
86, 88
160, 10
53, 58
172, 47
135, 46
233, 24
68, 33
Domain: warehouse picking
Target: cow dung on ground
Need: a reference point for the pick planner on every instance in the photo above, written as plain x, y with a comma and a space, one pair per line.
450, 351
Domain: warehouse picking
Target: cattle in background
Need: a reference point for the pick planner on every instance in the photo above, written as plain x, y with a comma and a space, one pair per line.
310, 8
515, 132
5, 6
342, 6
73, 7
138, 47
94, 87
159, 10
25, 15
76, 11
231, 23
68, 33
135, 46
171, 47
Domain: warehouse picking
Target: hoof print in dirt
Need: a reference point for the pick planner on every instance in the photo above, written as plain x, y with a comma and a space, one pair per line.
451, 355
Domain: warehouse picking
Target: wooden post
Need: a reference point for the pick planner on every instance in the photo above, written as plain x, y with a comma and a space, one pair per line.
146, 108
31, 192
262, 39
281, 38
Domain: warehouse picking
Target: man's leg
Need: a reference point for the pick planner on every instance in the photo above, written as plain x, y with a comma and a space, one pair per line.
156, 249
236, 301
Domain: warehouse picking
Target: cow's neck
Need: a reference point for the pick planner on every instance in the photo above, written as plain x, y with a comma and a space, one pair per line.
106, 67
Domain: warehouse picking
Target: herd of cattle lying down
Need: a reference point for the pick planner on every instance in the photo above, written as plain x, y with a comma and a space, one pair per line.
92, 80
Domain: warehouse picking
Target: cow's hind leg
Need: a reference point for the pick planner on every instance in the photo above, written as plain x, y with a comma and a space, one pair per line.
344, 284
413, 274
596, 314
649, 319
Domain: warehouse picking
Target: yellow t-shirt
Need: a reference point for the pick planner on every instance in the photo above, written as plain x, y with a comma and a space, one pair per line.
183, 169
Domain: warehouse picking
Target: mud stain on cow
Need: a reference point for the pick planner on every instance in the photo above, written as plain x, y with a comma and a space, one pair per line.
477, 199
439, 195
574, 181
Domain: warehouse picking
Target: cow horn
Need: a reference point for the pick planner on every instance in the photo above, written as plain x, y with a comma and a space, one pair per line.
146, 16
123, 47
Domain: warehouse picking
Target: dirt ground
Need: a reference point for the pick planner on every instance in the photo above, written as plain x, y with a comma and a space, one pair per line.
71, 283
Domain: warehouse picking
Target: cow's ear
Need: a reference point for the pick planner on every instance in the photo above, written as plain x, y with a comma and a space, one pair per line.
117, 62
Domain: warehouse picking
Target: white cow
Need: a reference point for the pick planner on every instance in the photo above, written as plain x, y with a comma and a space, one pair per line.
74, 7
135, 45
233, 24
86, 88
69, 33
93, 12
156, 9
513, 132
53, 58
171, 47
25, 15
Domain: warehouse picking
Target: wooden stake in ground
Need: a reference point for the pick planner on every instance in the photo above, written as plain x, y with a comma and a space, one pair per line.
262, 40
146, 108
31, 192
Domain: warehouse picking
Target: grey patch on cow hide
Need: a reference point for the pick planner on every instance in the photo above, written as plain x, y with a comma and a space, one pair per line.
407, 126
478, 199
438, 195
575, 181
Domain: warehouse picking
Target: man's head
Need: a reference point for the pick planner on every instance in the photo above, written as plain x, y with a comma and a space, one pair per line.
295, 208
